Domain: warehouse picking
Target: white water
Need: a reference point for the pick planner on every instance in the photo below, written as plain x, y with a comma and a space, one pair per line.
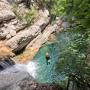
31, 67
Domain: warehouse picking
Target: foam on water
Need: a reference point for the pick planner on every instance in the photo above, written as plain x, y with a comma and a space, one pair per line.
31, 67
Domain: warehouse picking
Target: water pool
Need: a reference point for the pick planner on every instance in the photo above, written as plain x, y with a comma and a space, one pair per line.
46, 73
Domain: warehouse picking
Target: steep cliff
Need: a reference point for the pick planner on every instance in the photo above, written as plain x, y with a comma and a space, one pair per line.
22, 27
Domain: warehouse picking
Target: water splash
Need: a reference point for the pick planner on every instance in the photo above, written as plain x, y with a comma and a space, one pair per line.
31, 67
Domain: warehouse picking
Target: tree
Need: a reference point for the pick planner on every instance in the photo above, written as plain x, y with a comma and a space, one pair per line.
72, 60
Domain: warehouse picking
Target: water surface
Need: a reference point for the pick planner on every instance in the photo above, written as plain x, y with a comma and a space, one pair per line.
47, 73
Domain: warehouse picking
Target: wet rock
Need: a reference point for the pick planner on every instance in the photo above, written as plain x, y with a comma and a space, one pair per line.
5, 63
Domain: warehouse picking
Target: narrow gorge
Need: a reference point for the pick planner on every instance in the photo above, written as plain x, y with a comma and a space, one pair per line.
44, 45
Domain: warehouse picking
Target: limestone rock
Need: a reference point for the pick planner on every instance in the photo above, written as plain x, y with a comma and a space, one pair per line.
12, 32
9, 24
22, 38
5, 11
43, 37
44, 13
11, 28
8, 36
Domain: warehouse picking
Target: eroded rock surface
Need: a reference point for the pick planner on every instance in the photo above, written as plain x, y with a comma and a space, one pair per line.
9, 24
23, 38
5, 11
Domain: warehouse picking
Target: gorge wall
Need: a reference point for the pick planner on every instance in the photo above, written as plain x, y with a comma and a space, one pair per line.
17, 34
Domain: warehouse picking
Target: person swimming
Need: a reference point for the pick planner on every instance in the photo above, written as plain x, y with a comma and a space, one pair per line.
47, 58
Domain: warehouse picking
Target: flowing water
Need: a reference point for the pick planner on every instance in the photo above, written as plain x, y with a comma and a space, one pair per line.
31, 67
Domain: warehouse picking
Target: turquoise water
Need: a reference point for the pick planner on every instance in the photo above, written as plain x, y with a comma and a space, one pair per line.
47, 73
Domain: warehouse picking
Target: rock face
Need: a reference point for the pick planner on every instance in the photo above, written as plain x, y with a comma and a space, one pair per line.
31, 85
33, 47
17, 34
5, 12
10, 29
9, 24
43, 37
25, 37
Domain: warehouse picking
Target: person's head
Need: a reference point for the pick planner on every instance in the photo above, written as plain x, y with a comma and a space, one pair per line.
47, 53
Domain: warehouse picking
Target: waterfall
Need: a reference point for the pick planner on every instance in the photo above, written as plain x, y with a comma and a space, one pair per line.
5, 63
31, 67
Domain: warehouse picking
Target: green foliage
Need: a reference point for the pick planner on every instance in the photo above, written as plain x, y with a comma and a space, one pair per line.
27, 17
58, 6
72, 57
72, 60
